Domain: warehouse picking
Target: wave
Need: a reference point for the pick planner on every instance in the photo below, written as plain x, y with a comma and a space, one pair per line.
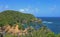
47, 22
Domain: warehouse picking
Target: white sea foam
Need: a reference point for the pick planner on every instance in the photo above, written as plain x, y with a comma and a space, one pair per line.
44, 22
47, 22
50, 22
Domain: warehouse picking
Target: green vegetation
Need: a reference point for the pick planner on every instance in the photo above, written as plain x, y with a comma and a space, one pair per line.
10, 17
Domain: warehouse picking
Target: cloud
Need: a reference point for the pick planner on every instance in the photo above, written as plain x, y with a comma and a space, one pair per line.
1, 7
24, 10
37, 9
21, 10
6, 7
29, 10
53, 8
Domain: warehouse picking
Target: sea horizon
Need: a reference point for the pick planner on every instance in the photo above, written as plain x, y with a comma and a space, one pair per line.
53, 23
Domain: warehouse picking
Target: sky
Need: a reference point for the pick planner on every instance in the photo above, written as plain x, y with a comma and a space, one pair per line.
39, 8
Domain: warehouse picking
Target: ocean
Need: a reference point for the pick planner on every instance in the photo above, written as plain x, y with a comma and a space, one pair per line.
53, 23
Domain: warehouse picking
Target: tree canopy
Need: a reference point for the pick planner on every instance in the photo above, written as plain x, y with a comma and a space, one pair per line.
12, 17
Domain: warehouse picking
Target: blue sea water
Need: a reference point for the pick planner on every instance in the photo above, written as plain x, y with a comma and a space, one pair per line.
53, 23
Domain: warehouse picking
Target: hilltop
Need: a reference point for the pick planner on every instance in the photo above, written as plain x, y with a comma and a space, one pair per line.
11, 21
12, 17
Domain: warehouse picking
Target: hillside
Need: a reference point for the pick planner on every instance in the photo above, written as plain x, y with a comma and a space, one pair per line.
12, 17
11, 25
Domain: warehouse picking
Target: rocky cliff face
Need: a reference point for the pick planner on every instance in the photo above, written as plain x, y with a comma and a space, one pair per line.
14, 30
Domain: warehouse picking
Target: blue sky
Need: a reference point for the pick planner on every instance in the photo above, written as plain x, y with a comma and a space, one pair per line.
39, 8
